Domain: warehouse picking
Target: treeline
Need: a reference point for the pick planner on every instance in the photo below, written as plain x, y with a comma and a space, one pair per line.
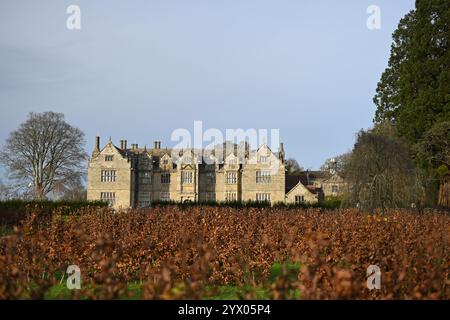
14, 211
404, 160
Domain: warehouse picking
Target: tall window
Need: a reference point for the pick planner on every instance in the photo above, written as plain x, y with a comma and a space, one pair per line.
230, 196
109, 197
186, 177
211, 196
145, 177
108, 176
164, 196
231, 177
263, 197
263, 176
144, 199
299, 199
165, 178
109, 158
210, 178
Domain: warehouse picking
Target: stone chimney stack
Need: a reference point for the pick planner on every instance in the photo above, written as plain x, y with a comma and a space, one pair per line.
96, 150
281, 153
97, 143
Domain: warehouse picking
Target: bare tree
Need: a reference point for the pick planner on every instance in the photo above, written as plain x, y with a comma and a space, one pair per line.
44, 151
292, 166
336, 164
380, 172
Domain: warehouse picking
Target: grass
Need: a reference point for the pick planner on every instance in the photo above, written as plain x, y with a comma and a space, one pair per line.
225, 292
5, 230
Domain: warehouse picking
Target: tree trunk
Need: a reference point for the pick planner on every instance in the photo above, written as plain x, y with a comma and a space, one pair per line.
444, 192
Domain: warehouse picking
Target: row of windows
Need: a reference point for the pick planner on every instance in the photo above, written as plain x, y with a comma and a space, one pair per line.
299, 199
231, 177
230, 196
186, 177
262, 176
109, 197
108, 176
263, 197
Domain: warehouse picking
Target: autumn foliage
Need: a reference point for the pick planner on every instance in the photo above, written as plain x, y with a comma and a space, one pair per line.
176, 253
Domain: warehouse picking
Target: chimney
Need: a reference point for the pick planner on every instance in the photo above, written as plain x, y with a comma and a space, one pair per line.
97, 143
124, 144
157, 144
121, 144
281, 153
134, 146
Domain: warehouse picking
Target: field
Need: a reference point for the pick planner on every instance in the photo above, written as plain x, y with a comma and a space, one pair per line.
202, 252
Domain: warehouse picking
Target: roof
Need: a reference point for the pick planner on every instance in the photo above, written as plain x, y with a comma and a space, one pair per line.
291, 181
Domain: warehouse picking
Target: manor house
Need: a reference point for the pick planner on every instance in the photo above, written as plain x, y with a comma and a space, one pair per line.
134, 177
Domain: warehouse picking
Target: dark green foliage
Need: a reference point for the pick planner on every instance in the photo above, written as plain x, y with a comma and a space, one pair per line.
414, 90
13, 211
327, 204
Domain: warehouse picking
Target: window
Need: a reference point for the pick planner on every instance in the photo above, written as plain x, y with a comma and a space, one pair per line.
211, 196
263, 197
109, 158
263, 159
231, 177
230, 196
210, 178
299, 199
186, 177
165, 161
165, 178
145, 177
144, 199
164, 196
109, 197
231, 161
263, 176
145, 161
108, 176
334, 189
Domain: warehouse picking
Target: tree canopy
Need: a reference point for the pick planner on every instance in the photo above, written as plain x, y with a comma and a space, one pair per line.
43, 152
414, 90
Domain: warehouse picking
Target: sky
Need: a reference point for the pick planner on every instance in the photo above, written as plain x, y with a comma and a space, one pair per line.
138, 70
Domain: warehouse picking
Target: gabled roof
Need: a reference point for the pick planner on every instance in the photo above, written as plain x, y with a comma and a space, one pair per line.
291, 181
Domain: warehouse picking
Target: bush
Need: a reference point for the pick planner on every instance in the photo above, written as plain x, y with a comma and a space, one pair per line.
14, 211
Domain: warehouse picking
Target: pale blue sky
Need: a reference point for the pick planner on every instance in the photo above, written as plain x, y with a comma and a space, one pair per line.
140, 69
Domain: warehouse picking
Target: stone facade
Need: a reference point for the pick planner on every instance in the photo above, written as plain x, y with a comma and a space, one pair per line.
332, 183
298, 191
134, 177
